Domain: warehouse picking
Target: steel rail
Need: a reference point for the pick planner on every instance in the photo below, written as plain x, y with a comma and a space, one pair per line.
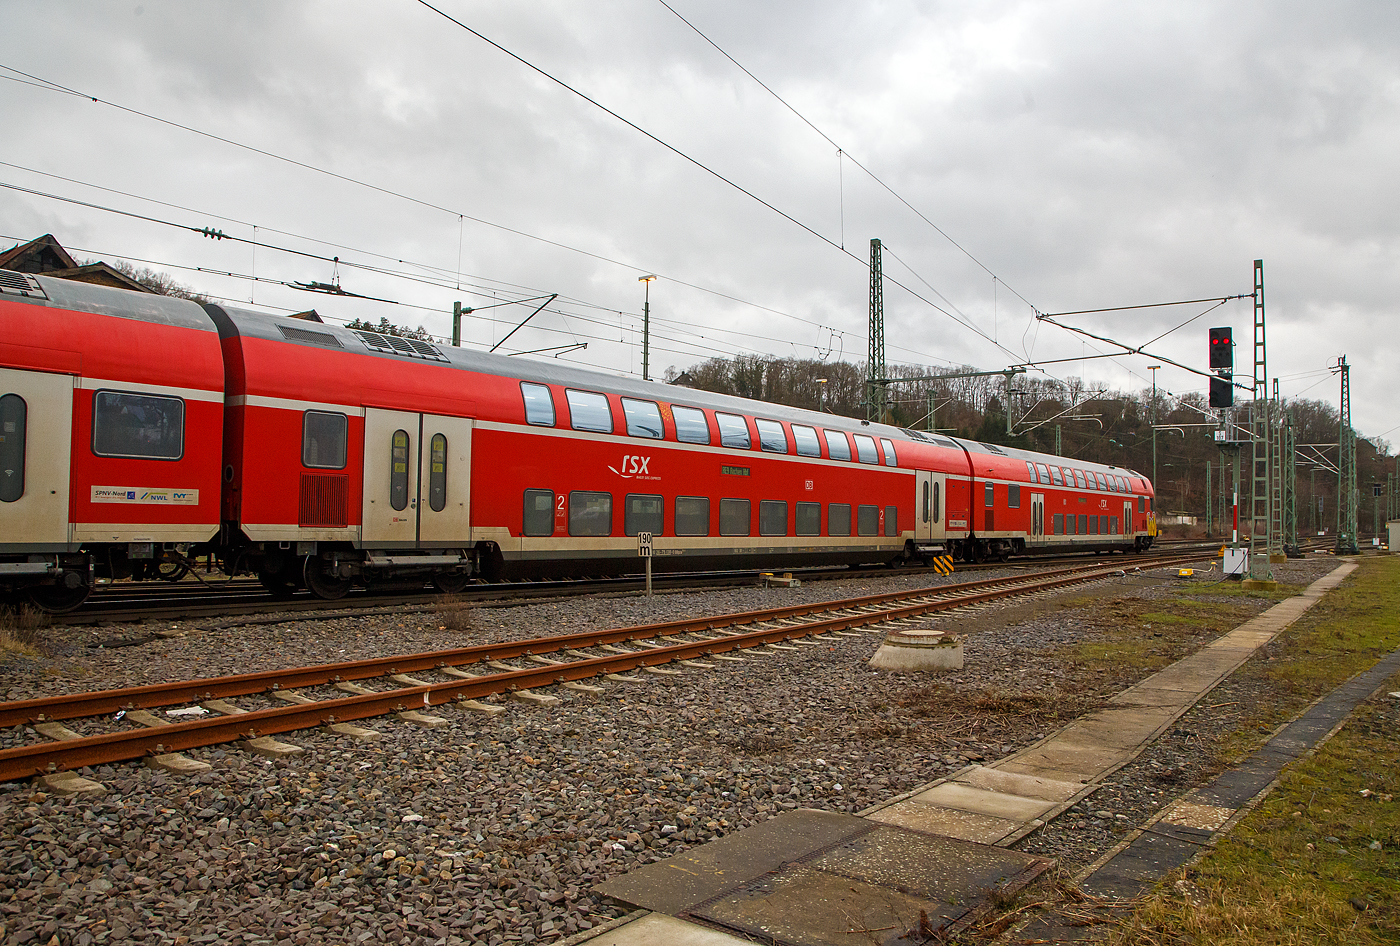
121, 604
101, 702
23, 761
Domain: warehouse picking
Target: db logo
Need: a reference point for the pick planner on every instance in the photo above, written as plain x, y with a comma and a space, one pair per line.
810, 485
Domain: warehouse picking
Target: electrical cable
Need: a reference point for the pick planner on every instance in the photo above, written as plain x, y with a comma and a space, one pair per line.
846, 154
51, 86
697, 163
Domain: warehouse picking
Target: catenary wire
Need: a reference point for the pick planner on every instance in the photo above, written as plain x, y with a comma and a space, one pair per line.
843, 152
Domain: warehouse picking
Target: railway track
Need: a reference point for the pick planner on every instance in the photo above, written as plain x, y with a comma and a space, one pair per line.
564, 660
131, 602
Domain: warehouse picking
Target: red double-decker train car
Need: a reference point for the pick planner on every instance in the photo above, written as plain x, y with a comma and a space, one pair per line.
141, 429
111, 433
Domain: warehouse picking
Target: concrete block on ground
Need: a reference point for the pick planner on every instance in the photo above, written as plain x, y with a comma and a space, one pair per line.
485, 709
355, 732
581, 687
919, 649
56, 731
418, 718
271, 748
70, 783
177, 764
536, 699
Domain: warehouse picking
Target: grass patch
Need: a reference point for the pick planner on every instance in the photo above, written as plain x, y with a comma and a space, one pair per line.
19, 630
1346, 632
1278, 880
1232, 589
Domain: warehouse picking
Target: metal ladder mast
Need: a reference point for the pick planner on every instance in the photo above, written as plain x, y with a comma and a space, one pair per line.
1260, 511
1276, 476
875, 381
1346, 477
1288, 473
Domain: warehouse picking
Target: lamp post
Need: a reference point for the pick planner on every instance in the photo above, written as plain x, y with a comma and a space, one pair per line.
1153, 369
646, 325
821, 394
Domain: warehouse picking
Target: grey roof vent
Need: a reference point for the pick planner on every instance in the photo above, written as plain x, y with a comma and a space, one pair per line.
398, 345
309, 337
20, 284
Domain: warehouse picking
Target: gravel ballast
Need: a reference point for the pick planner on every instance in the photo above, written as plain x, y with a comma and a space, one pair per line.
493, 830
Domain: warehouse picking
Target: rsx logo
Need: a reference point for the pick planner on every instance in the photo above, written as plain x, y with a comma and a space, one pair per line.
632, 466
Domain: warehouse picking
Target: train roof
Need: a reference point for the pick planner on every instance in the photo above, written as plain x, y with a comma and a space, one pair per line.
250, 324
105, 300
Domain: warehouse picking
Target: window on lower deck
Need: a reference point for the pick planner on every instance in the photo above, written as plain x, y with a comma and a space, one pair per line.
138, 425
809, 519
867, 520
590, 513
692, 515
734, 517
642, 514
14, 416
323, 440
772, 517
539, 512
838, 519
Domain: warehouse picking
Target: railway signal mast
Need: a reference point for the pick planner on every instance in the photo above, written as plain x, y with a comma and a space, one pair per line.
1222, 398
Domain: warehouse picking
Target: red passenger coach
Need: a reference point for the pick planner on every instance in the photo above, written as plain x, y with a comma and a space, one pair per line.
138, 430
111, 417
358, 457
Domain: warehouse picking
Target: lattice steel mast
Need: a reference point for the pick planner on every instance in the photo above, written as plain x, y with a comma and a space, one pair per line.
1346, 476
875, 381
1260, 507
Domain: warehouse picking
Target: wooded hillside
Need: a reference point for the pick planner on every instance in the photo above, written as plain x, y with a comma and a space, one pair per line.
1102, 426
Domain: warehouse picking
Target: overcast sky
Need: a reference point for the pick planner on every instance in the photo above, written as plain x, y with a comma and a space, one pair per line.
1080, 154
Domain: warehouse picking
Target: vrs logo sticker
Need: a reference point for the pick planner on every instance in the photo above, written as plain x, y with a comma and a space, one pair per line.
145, 497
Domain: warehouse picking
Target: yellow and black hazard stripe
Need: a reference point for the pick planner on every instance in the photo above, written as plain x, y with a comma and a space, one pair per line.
943, 564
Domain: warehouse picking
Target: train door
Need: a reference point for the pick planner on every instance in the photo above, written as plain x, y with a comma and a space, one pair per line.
444, 459
36, 440
929, 526
1037, 529
416, 481
1128, 519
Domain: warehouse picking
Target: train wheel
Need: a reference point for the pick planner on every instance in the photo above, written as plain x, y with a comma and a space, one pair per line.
322, 585
451, 583
58, 599
277, 584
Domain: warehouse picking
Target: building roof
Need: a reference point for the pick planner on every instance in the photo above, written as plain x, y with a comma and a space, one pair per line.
45, 256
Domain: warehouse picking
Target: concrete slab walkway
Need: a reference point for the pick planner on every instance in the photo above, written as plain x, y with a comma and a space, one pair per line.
1000, 803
